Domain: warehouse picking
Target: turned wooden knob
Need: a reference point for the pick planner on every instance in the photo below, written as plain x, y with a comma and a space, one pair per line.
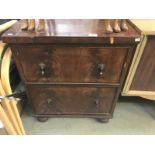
49, 101
42, 68
101, 68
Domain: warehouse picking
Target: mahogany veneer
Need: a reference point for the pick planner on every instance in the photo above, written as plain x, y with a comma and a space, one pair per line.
72, 69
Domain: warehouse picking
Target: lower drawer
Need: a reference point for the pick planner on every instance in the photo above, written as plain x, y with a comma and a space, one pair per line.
55, 100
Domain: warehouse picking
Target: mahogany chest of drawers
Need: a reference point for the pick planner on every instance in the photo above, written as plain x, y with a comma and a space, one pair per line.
72, 69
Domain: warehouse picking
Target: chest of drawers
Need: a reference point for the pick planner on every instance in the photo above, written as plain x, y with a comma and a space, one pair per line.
72, 69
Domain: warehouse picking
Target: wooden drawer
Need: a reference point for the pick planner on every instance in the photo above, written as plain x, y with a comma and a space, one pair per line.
70, 64
66, 100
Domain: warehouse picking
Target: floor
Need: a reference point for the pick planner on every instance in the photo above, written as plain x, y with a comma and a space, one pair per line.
132, 115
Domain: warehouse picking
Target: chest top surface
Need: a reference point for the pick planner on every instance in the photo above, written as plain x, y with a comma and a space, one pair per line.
68, 31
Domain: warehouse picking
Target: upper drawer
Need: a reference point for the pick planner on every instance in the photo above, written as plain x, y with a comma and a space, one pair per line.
70, 64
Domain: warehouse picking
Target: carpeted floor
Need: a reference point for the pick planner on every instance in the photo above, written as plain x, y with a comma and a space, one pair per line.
132, 116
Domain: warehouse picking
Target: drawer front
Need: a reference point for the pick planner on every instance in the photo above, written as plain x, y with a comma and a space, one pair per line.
59, 100
78, 65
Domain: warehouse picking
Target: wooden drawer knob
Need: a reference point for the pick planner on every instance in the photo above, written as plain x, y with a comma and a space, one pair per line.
49, 101
101, 68
97, 102
42, 68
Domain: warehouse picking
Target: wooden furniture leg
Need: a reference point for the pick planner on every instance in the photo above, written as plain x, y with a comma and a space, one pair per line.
42, 119
103, 120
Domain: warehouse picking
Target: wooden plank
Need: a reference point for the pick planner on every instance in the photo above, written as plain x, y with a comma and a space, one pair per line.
134, 65
5, 103
7, 25
144, 94
6, 122
2, 46
147, 26
138, 93
149, 97
5, 66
